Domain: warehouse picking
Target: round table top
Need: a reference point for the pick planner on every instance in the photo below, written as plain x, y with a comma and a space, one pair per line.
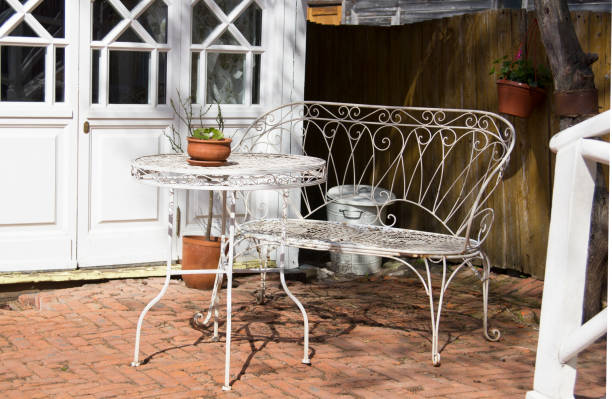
243, 171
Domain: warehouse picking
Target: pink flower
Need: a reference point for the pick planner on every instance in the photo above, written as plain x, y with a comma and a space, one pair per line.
519, 54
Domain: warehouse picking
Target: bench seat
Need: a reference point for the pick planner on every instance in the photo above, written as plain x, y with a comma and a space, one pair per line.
357, 239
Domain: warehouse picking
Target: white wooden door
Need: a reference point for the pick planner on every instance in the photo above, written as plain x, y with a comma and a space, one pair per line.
86, 87
128, 51
38, 111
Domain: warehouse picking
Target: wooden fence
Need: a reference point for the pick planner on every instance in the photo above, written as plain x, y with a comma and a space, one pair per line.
446, 63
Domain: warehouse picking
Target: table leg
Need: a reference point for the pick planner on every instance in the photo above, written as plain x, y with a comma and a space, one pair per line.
136, 363
213, 308
229, 271
283, 251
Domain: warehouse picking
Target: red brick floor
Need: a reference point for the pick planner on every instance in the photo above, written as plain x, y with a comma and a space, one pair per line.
370, 338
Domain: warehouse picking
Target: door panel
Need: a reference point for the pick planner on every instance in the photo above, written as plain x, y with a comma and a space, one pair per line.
137, 202
36, 205
33, 181
121, 221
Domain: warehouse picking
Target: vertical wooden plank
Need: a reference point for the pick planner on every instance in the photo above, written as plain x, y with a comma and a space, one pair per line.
343, 62
311, 71
383, 60
497, 42
395, 62
604, 78
452, 61
599, 43
413, 34
537, 201
471, 24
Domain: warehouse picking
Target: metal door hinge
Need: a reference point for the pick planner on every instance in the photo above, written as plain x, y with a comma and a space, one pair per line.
86, 127
178, 221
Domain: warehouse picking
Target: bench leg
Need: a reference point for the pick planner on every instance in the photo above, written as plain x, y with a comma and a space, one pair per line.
435, 316
263, 263
282, 257
306, 359
492, 334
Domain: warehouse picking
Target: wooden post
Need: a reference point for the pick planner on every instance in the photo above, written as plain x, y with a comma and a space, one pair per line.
566, 258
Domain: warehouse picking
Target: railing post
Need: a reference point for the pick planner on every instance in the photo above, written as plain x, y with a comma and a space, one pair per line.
566, 262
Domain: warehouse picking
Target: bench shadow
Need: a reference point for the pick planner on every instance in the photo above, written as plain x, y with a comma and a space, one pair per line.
269, 315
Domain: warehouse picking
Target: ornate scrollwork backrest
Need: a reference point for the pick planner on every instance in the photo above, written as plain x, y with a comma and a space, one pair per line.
444, 162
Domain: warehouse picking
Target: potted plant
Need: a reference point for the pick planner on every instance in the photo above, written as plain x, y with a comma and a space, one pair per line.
206, 147
520, 86
201, 252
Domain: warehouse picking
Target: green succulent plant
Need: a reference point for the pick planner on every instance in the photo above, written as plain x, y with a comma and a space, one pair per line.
207, 133
522, 71
187, 117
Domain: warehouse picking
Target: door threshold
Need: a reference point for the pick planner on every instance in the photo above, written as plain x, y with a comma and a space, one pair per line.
97, 273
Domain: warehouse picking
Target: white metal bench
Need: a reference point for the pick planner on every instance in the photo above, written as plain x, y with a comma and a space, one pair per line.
441, 165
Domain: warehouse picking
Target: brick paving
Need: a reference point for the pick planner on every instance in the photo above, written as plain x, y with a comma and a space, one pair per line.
370, 338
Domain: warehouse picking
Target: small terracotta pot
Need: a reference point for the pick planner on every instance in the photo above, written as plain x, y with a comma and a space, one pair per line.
200, 253
209, 150
518, 99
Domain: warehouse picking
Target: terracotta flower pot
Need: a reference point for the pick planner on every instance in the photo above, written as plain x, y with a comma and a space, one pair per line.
199, 253
518, 99
209, 150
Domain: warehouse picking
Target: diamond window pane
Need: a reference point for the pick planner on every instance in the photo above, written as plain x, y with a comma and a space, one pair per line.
227, 5
227, 38
249, 24
130, 36
155, 21
203, 21
22, 73
105, 17
128, 77
225, 78
6, 11
23, 30
60, 72
50, 14
130, 4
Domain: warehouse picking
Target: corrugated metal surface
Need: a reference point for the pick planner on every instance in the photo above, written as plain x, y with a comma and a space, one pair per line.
398, 12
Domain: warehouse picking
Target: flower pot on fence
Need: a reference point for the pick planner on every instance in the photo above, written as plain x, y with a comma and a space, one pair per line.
208, 152
200, 253
518, 99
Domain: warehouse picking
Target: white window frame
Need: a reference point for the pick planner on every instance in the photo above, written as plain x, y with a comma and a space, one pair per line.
49, 107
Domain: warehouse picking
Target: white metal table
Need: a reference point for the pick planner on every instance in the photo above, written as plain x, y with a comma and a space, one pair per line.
243, 172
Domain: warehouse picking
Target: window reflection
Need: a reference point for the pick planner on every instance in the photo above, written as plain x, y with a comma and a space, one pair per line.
50, 14
95, 76
59, 74
105, 17
155, 20
161, 83
225, 83
22, 73
128, 77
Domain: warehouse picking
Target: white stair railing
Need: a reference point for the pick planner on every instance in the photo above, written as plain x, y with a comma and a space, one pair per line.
562, 334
